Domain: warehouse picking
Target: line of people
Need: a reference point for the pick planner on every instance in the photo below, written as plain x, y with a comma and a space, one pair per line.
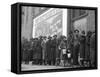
76, 49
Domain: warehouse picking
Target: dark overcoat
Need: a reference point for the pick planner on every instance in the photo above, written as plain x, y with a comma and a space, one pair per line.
43, 44
49, 53
39, 49
54, 48
70, 41
87, 48
75, 50
92, 48
82, 46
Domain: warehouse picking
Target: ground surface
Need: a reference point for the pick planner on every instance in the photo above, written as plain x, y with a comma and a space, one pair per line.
41, 67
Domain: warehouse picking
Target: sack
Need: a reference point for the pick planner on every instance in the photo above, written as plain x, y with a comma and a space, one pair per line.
64, 51
69, 55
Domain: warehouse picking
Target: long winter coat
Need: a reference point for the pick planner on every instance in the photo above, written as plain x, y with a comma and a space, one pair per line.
43, 44
54, 48
49, 53
82, 46
63, 47
39, 49
92, 48
70, 41
58, 51
75, 50
87, 48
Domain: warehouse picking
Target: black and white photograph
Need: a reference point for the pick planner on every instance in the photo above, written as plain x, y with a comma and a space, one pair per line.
57, 38
49, 38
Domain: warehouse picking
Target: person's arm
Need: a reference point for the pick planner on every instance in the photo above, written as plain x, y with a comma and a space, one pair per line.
42, 43
59, 46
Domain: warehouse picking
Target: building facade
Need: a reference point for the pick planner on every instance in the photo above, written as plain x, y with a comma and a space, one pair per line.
83, 20
61, 22
51, 22
28, 14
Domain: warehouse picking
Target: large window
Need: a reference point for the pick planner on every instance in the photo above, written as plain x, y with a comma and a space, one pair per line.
51, 22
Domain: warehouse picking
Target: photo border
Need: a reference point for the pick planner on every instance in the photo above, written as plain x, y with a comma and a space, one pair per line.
52, 6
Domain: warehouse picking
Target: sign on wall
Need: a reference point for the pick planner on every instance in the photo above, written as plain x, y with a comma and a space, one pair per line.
49, 23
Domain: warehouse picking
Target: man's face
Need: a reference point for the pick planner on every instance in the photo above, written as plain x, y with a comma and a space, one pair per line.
54, 37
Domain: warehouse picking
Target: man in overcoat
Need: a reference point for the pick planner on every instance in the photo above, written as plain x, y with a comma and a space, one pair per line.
54, 48
49, 54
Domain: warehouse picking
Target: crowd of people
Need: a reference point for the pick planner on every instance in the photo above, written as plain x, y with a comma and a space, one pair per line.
78, 48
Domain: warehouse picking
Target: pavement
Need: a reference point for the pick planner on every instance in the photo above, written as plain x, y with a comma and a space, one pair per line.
42, 67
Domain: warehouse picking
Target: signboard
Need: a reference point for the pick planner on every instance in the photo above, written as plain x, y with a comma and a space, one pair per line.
49, 23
